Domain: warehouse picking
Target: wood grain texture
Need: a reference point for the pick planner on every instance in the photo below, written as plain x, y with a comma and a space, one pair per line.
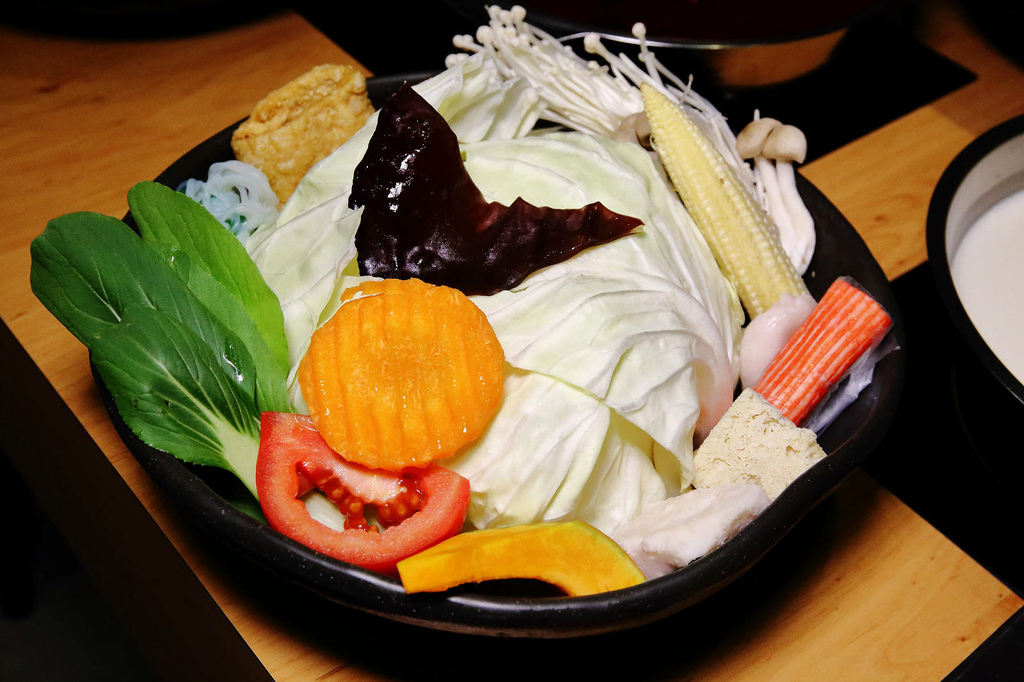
883, 181
883, 595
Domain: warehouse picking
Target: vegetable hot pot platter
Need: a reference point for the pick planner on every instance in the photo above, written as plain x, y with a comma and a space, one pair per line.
206, 496
520, 346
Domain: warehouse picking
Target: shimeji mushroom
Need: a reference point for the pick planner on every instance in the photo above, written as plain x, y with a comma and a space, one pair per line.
765, 140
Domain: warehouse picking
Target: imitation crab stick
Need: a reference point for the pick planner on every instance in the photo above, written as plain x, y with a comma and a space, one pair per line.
844, 324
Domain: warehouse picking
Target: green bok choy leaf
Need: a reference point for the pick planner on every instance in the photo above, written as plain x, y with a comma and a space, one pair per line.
176, 323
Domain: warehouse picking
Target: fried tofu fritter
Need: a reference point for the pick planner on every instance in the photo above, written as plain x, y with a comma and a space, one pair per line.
300, 123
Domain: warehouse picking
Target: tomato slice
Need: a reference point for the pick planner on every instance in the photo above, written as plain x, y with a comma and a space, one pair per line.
418, 508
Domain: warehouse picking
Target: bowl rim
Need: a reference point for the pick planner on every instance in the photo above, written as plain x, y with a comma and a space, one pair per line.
938, 256
565, 30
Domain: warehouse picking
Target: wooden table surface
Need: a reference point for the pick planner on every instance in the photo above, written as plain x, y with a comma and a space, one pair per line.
887, 597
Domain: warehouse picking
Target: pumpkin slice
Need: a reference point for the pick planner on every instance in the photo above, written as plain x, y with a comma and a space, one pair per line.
574, 556
404, 373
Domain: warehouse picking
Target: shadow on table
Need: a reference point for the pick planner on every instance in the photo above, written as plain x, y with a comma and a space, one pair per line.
133, 21
710, 630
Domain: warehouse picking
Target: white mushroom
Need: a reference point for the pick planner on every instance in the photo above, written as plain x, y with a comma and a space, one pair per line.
635, 128
785, 143
752, 138
765, 140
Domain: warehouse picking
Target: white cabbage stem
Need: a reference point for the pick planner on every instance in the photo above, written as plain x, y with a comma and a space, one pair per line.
767, 174
801, 222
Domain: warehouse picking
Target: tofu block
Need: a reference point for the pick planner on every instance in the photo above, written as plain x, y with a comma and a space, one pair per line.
755, 443
300, 123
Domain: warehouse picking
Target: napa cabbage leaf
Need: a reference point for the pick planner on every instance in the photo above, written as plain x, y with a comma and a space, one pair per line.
617, 357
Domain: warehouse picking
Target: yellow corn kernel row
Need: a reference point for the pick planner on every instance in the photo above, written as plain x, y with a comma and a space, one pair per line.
742, 237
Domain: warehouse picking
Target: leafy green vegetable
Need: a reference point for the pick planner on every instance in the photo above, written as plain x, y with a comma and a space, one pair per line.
271, 381
172, 394
554, 452
88, 268
182, 356
171, 218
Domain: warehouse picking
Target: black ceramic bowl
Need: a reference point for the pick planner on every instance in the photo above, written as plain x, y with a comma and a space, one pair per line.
520, 610
990, 397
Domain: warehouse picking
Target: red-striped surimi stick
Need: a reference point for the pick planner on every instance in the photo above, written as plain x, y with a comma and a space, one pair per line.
844, 324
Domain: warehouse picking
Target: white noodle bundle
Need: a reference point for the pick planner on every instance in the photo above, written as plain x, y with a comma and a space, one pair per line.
237, 194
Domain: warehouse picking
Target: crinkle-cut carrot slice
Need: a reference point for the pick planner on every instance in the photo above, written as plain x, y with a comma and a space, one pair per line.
404, 373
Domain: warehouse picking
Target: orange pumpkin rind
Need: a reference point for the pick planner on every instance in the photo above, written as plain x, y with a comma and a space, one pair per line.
573, 556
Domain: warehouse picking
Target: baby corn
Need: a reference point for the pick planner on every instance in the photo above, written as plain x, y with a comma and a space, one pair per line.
741, 235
